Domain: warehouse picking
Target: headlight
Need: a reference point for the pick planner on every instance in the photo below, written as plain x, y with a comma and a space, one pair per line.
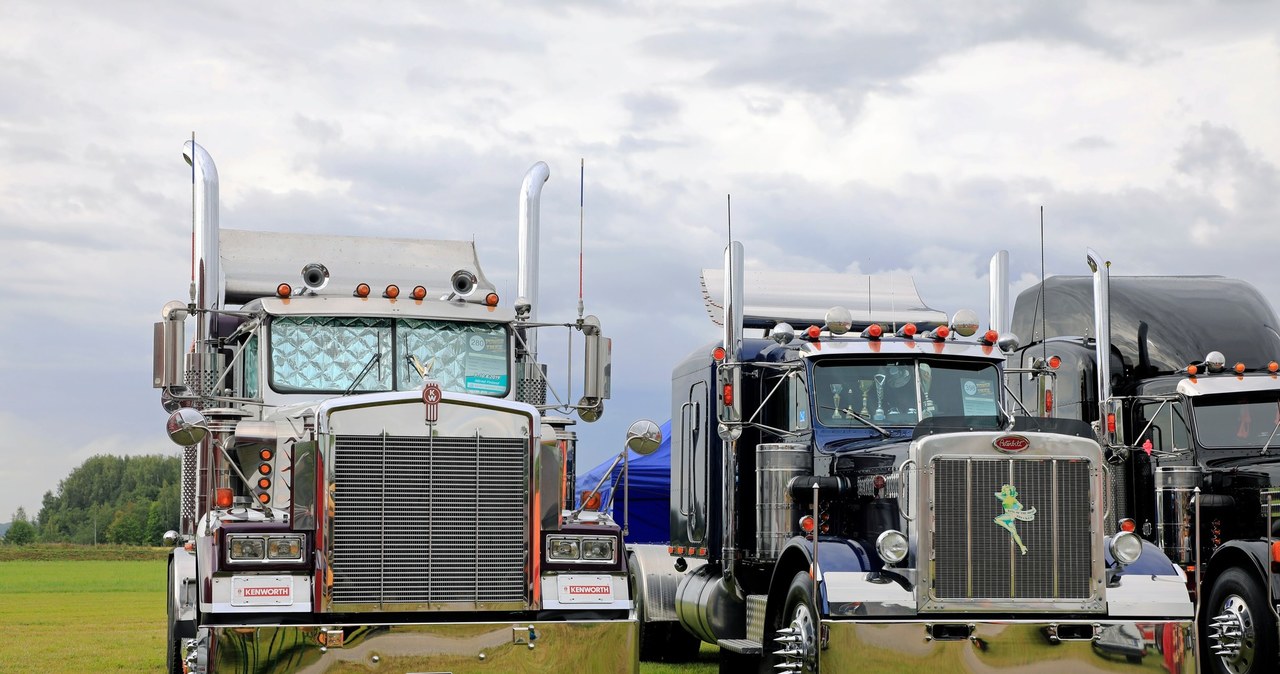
284, 547
892, 546
562, 548
1126, 547
597, 549
246, 548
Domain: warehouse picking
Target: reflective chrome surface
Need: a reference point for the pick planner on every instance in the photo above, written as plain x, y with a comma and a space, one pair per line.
187, 426
527, 251
517, 647
1079, 647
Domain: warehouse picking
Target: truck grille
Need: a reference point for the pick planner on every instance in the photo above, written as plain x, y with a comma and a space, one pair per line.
976, 558
429, 520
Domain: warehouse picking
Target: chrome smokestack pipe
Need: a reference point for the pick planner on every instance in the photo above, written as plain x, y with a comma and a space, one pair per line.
730, 427
1102, 331
999, 273
527, 267
208, 289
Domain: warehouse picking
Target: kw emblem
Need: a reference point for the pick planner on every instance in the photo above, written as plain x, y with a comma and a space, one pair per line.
1013, 513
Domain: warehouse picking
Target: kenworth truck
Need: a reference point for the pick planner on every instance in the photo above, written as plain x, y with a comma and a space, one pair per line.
1178, 374
853, 496
371, 479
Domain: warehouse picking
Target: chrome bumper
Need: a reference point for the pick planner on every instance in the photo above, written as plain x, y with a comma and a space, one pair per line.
1079, 647
587, 646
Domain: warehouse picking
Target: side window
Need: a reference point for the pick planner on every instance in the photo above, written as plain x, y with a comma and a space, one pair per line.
1166, 426
250, 364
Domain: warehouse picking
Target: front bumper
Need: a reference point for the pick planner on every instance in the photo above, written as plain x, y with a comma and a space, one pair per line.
1078, 646
587, 646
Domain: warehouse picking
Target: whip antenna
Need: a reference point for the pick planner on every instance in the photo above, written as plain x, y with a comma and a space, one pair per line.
193, 217
582, 172
1044, 314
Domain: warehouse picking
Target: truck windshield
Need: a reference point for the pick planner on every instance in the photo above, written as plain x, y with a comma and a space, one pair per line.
331, 354
1237, 421
902, 391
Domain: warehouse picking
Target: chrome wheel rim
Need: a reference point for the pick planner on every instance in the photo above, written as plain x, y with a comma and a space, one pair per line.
1233, 636
798, 642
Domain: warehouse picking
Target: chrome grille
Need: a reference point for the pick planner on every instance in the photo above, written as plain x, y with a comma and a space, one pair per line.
429, 520
976, 558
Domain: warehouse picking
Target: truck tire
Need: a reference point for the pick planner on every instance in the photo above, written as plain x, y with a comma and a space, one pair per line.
661, 641
173, 643
1237, 603
799, 618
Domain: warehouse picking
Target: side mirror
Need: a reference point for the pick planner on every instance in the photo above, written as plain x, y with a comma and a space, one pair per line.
187, 427
596, 370
644, 437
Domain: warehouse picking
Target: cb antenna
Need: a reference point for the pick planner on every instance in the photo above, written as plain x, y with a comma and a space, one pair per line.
193, 218
1044, 314
582, 173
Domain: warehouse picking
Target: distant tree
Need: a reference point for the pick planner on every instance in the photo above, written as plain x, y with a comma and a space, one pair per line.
111, 499
21, 531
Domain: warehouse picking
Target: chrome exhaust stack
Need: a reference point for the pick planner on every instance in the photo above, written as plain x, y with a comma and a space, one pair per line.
999, 279
527, 265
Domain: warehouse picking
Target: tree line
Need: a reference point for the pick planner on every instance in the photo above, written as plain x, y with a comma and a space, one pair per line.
128, 500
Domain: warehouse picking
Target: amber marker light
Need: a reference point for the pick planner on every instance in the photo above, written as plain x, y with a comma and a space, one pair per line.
284, 290
1240, 368
491, 299
264, 483
264, 468
1272, 367
265, 454
264, 497
222, 497
419, 293
392, 292
362, 290
1192, 370
1275, 552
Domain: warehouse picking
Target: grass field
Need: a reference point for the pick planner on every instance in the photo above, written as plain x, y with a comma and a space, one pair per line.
85, 609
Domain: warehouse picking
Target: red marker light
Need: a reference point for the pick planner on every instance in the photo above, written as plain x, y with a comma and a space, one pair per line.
1111, 423
873, 331
284, 291
941, 333
222, 497
991, 337
806, 524
718, 354
419, 293
908, 330
1054, 362
814, 332
728, 394
362, 290
1129, 525
590, 500
1048, 402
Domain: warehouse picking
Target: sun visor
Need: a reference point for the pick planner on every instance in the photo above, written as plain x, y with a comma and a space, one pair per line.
254, 263
803, 298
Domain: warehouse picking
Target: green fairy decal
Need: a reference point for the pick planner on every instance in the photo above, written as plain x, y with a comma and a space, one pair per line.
1013, 513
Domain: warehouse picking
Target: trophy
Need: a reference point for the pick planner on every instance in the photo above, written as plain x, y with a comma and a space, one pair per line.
865, 386
879, 416
835, 397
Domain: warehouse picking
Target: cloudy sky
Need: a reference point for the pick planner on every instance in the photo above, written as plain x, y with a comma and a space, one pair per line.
861, 137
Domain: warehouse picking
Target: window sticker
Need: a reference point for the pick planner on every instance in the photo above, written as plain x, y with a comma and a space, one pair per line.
979, 397
486, 373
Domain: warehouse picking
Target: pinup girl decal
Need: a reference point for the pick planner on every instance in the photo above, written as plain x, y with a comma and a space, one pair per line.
1013, 513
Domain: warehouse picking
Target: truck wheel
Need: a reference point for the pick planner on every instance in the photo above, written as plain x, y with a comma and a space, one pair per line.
173, 644
1239, 625
661, 641
797, 639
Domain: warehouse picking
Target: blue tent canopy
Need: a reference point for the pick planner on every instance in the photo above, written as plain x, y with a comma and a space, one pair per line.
649, 483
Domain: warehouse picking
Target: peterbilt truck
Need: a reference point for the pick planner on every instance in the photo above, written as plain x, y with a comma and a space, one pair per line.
374, 475
852, 495
1178, 376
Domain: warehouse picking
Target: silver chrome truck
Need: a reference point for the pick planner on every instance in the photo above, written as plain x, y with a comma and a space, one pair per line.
853, 496
372, 478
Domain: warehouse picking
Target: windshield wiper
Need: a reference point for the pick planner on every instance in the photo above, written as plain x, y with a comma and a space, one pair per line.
377, 357
1267, 444
849, 411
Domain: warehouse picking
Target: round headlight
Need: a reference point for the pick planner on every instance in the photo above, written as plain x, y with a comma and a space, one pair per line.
1126, 547
892, 546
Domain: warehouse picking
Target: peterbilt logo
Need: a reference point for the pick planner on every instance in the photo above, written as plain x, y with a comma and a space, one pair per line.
1011, 443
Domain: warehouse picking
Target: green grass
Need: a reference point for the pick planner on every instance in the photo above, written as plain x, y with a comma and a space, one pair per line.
101, 609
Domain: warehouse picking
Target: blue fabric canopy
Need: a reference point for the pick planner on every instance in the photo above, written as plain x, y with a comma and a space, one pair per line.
649, 484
